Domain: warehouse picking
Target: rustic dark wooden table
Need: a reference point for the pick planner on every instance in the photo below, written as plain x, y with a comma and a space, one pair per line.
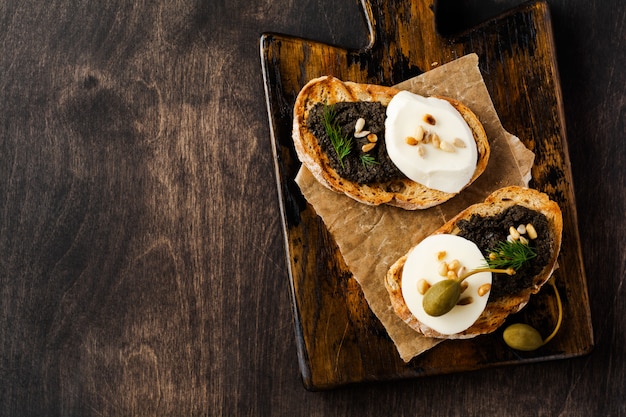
142, 263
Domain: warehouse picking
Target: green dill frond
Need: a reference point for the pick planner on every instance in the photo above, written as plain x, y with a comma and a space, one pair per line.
341, 143
510, 255
368, 160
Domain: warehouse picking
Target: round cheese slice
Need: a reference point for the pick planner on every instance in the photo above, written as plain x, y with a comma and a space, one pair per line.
445, 170
423, 262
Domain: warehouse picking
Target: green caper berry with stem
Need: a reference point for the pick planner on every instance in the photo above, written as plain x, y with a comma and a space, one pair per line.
523, 337
441, 297
444, 295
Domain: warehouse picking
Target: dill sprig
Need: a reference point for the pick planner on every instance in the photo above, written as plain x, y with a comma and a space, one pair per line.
368, 160
341, 143
510, 255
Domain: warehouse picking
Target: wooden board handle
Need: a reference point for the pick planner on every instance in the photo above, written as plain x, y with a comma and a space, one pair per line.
387, 19
403, 40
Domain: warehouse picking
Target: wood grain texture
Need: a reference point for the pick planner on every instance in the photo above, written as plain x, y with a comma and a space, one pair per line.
517, 59
143, 268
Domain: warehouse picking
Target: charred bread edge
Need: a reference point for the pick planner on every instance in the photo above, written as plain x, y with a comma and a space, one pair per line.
402, 193
495, 312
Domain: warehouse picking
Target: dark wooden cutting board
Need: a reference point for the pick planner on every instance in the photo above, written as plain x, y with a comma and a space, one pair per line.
339, 340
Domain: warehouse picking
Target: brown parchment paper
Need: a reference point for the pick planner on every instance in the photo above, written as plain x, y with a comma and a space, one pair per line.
372, 238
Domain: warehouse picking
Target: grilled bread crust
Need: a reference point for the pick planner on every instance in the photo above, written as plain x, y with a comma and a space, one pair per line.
403, 193
496, 311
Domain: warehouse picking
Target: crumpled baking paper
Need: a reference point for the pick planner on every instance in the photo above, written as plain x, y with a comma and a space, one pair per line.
372, 238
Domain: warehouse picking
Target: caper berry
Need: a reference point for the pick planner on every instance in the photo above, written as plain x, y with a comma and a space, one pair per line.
441, 297
521, 336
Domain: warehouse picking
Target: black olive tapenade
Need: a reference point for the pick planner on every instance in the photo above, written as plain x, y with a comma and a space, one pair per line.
346, 115
488, 232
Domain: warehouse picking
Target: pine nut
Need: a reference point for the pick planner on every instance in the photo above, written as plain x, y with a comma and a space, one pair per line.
360, 124
410, 140
421, 151
459, 143
443, 269
484, 289
530, 229
465, 301
422, 286
445, 146
428, 118
514, 233
435, 139
441, 254
368, 147
464, 286
372, 138
454, 265
419, 133
523, 240
362, 133
451, 274
521, 229
461, 271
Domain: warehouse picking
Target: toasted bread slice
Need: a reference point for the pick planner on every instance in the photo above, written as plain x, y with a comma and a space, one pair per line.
497, 310
402, 192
